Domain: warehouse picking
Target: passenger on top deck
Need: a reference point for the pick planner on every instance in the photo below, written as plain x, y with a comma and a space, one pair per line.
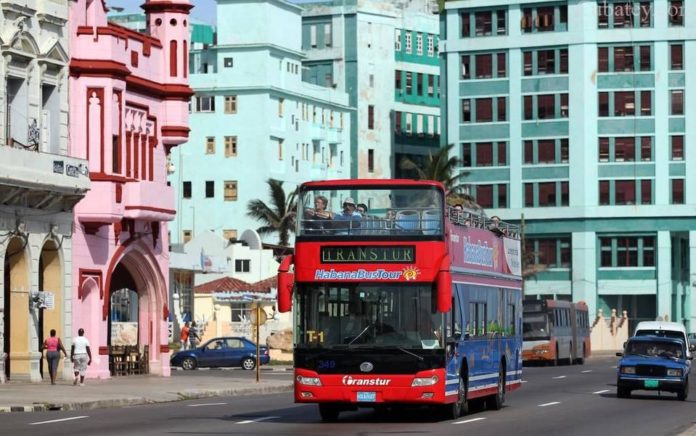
349, 215
316, 216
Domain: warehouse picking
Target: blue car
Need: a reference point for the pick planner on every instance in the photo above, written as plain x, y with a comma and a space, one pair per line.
221, 352
653, 363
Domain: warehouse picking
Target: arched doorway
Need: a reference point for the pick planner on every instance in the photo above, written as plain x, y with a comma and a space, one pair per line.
51, 283
123, 329
16, 309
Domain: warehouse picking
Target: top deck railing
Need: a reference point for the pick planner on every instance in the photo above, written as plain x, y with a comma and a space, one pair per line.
404, 222
478, 219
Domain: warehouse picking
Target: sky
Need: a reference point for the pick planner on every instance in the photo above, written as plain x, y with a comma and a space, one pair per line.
204, 10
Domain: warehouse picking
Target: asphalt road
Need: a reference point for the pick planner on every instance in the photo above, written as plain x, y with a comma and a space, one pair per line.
565, 400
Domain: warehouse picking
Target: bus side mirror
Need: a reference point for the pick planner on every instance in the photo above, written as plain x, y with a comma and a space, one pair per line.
444, 287
619, 354
286, 280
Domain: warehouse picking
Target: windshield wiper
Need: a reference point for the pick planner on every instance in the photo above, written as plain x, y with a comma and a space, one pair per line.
421, 358
359, 334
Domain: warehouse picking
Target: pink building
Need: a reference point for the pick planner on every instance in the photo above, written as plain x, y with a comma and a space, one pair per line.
128, 107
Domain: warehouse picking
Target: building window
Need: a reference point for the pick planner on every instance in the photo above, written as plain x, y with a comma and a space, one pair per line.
677, 147
546, 194
431, 85
548, 61
186, 190
625, 103
484, 110
209, 189
491, 196
205, 103
550, 252
397, 39
484, 66
677, 191
624, 14
677, 102
229, 234
484, 23
419, 44
466, 110
419, 84
371, 160
676, 13
431, 45
627, 252
545, 19
186, 235
676, 56
408, 42
546, 151
229, 62
327, 35
242, 265
625, 192
230, 146
231, 190
230, 104
485, 154
210, 145
313, 36
280, 107
370, 117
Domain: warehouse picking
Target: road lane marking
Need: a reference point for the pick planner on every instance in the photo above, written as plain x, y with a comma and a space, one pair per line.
263, 418
559, 377
549, 404
58, 420
523, 381
206, 404
586, 371
601, 392
469, 420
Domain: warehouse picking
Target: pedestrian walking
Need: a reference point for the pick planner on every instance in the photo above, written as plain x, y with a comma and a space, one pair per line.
194, 335
184, 336
81, 356
53, 346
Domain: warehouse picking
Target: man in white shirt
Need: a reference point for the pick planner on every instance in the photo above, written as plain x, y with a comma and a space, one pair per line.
81, 356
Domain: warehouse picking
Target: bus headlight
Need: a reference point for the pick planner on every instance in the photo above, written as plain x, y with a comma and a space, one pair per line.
674, 373
424, 381
308, 381
628, 370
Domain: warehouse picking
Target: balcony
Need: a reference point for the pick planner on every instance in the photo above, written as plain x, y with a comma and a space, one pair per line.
148, 201
42, 181
101, 205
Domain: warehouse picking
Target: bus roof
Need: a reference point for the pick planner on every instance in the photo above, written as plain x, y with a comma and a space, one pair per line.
349, 183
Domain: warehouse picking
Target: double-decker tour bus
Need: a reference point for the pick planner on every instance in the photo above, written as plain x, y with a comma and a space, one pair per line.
555, 331
406, 303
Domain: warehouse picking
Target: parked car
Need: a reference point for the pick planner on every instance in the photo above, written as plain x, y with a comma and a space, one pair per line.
654, 363
663, 328
221, 352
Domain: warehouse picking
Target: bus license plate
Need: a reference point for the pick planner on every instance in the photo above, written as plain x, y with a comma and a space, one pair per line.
367, 397
651, 383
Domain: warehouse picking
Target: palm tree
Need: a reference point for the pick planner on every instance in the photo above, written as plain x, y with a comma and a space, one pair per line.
280, 216
441, 167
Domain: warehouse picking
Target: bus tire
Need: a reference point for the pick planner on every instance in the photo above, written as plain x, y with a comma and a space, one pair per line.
554, 362
459, 407
581, 359
571, 354
329, 412
496, 401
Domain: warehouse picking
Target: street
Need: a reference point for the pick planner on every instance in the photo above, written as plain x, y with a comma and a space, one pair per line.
564, 400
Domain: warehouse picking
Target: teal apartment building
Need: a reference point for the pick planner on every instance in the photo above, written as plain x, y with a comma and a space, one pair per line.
384, 55
574, 114
253, 118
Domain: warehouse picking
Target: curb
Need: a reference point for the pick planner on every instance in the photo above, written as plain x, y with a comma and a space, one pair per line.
134, 401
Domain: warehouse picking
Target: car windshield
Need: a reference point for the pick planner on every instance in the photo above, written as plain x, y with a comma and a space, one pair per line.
655, 349
662, 333
535, 326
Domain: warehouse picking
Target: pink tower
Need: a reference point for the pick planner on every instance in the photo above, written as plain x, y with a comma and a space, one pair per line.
128, 106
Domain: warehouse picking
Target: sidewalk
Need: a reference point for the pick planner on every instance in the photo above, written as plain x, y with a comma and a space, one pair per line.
133, 390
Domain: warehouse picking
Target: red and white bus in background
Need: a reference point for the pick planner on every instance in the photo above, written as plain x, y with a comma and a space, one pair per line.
555, 331
408, 303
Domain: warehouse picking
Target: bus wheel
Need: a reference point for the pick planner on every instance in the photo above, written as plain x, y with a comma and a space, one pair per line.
581, 359
459, 407
496, 401
328, 412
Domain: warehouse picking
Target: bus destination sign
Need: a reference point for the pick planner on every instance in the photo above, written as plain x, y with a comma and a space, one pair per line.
369, 254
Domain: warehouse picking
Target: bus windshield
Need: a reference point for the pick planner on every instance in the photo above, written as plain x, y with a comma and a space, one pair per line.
366, 315
535, 326
370, 211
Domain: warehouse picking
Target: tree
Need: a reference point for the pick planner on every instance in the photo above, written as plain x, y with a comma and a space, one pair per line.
441, 168
280, 216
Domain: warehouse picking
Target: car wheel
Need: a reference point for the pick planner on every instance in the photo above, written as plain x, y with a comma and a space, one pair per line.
328, 412
459, 407
248, 363
581, 359
622, 392
189, 363
681, 395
